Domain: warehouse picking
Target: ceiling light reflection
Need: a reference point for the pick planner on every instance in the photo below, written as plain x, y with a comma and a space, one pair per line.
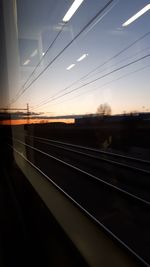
137, 15
72, 10
82, 57
26, 62
34, 53
70, 67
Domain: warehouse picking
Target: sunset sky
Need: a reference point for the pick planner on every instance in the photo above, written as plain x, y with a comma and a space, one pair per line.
124, 90
32, 121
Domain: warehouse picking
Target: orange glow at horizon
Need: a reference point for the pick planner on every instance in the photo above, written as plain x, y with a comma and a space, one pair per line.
33, 121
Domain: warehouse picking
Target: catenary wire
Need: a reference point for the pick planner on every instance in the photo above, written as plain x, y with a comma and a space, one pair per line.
87, 77
83, 93
63, 50
38, 64
99, 66
94, 80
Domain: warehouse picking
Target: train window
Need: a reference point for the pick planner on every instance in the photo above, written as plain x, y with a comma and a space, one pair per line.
77, 105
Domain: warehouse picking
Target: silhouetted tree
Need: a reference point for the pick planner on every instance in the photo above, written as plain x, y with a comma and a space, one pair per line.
104, 110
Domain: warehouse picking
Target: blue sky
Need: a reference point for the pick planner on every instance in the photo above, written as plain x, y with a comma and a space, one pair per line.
124, 90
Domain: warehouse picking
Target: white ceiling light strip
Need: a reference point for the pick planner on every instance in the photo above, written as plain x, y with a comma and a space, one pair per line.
137, 15
72, 10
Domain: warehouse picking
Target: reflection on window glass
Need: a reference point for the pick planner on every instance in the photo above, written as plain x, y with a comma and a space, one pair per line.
95, 57
83, 95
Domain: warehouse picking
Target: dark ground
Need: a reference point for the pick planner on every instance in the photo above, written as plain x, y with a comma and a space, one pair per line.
131, 136
29, 234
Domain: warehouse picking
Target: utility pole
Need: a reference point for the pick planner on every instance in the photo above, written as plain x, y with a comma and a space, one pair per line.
28, 114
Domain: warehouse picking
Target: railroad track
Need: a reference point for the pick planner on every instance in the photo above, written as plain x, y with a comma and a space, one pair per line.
123, 214
128, 178
110, 157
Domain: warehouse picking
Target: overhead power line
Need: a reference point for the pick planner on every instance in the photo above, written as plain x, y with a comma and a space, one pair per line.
99, 66
107, 83
94, 80
45, 53
23, 90
38, 64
